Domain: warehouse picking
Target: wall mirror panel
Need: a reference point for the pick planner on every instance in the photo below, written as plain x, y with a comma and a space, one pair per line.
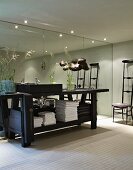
39, 52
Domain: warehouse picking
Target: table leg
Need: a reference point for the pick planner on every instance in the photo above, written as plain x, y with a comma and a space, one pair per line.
15, 106
83, 98
27, 120
5, 115
1, 128
93, 110
61, 97
69, 96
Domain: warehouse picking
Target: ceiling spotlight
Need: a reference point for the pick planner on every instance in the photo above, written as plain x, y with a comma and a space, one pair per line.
60, 35
46, 51
105, 39
25, 21
92, 41
72, 32
16, 26
66, 47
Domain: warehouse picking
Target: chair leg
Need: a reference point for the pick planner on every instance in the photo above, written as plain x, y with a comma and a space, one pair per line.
132, 115
126, 115
113, 114
122, 115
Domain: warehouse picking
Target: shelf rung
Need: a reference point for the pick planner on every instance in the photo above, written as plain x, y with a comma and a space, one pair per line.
93, 78
94, 64
127, 91
127, 61
80, 78
128, 77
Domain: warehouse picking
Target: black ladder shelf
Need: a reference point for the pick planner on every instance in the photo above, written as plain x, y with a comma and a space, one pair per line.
128, 78
125, 78
127, 88
94, 78
81, 79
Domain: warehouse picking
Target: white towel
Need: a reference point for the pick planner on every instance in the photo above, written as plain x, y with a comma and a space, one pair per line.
52, 122
38, 121
48, 117
66, 110
66, 119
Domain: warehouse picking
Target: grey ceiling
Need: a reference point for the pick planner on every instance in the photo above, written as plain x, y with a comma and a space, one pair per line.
90, 18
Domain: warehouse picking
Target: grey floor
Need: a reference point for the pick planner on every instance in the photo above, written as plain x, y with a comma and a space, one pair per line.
110, 147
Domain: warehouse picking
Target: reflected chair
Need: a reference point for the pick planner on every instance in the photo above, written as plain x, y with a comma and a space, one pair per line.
81, 79
81, 74
94, 71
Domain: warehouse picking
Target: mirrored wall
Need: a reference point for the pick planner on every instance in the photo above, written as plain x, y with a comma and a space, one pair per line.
37, 53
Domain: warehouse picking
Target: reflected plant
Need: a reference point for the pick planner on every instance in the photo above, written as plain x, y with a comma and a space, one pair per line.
52, 77
29, 54
70, 81
7, 65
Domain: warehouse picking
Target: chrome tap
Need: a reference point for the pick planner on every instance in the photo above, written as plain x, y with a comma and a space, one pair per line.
37, 81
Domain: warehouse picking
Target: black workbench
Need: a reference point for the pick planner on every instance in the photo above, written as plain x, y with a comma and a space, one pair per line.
25, 109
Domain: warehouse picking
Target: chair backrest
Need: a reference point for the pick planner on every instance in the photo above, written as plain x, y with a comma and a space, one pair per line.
127, 81
81, 79
132, 96
94, 71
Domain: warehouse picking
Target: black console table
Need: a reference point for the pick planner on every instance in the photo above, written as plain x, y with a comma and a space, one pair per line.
22, 105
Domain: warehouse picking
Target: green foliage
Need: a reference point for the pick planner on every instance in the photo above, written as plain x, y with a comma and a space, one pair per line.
70, 78
52, 77
7, 65
70, 81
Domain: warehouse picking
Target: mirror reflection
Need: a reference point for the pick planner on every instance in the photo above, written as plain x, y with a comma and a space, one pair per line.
37, 56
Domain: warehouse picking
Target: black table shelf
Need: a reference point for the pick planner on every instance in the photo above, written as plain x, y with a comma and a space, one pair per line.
59, 125
27, 129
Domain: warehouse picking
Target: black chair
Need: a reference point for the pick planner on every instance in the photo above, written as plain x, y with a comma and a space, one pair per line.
125, 108
121, 108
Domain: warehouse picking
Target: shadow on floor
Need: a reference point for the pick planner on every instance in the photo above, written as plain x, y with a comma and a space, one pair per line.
123, 122
65, 136
54, 139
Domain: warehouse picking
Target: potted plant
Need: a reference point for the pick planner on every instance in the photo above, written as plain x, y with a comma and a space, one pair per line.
7, 71
70, 81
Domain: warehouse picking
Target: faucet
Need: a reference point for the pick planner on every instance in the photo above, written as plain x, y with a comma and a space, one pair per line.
22, 81
37, 81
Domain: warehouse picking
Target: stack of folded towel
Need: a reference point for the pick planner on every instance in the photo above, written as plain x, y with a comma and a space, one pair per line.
48, 117
38, 121
66, 110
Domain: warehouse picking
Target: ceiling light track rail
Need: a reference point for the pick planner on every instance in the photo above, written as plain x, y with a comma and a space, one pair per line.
43, 29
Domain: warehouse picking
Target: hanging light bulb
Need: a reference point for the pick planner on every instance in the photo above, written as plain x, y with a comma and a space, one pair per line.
63, 63
66, 67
